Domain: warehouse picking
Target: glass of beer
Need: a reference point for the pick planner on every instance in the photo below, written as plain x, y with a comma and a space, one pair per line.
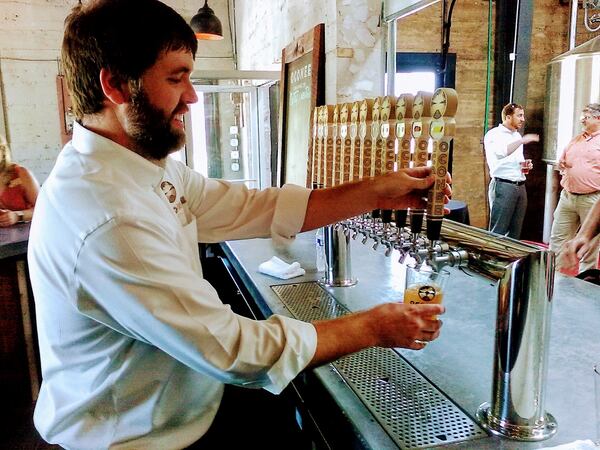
425, 285
526, 166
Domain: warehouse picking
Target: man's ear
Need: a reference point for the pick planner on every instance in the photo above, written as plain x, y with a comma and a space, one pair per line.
114, 89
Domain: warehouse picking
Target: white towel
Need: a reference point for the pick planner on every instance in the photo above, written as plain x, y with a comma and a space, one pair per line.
280, 269
577, 445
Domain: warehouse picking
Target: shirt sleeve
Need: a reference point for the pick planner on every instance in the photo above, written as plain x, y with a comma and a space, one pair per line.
131, 277
496, 144
226, 210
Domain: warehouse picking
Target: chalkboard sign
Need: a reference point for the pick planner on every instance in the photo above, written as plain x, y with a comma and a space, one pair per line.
302, 74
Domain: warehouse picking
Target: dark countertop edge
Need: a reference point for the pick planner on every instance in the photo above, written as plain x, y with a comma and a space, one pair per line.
14, 240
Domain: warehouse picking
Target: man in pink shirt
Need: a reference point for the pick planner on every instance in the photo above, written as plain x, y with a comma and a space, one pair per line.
579, 166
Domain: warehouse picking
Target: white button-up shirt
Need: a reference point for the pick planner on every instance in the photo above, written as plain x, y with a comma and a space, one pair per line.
496, 142
135, 345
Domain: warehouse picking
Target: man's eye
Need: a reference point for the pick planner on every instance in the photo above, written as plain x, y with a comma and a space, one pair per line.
174, 80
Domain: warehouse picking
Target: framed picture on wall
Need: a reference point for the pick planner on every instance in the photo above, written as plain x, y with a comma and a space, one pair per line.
302, 89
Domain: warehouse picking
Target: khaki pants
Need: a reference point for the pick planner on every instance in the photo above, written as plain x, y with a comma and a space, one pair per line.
570, 213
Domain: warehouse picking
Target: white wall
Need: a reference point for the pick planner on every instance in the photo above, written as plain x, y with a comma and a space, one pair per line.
31, 34
30, 39
264, 28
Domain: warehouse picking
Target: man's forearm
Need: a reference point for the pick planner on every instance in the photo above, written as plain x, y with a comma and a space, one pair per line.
591, 224
326, 206
513, 146
340, 337
405, 188
390, 324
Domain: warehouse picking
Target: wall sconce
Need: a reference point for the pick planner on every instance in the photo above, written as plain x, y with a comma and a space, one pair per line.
206, 24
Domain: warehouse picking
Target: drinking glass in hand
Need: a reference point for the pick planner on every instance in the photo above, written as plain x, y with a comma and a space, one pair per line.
425, 285
526, 166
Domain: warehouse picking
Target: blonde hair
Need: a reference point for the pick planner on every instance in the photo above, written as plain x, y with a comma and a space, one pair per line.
5, 161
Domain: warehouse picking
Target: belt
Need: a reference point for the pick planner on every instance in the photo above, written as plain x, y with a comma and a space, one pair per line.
518, 183
583, 193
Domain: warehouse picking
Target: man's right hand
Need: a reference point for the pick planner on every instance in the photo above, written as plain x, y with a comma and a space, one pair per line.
386, 325
406, 325
572, 251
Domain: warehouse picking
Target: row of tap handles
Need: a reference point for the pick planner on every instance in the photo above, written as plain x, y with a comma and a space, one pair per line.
351, 141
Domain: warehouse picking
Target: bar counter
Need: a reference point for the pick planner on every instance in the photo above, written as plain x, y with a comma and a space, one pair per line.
13, 240
460, 362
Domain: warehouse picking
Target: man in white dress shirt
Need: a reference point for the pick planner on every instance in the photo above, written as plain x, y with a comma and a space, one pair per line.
136, 347
504, 155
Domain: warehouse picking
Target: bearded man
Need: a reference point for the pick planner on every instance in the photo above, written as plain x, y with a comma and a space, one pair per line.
136, 347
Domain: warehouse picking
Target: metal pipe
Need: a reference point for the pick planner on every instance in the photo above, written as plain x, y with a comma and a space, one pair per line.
391, 58
338, 271
573, 24
521, 352
550, 200
525, 280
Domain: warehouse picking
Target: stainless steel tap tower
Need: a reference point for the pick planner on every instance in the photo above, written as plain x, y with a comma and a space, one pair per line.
524, 280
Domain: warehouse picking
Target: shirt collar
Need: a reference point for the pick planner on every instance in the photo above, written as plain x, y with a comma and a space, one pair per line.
142, 171
505, 128
589, 136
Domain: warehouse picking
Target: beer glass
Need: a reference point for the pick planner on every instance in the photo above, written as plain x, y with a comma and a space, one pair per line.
526, 166
425, 285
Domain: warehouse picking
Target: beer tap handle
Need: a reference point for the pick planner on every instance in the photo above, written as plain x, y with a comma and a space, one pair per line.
404, 115
321, 124
441, 129
387, 143
336, 159
353, 173
420, 133
315, 148
346, 148
368, 111
328, 146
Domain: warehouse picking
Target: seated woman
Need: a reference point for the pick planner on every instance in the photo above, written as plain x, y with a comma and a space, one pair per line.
18, 189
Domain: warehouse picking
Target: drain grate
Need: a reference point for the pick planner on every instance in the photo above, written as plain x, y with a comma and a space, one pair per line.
413, 412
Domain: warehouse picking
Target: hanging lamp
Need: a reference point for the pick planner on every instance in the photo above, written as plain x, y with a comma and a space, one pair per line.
206, 24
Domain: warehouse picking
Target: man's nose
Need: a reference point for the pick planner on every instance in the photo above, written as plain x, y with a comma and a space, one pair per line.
190, 95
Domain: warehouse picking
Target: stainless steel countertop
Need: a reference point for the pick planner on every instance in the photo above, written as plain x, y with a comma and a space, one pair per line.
13, 240
460, 362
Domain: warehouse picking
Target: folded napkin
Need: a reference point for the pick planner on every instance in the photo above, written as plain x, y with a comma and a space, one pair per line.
280, 269
576, 445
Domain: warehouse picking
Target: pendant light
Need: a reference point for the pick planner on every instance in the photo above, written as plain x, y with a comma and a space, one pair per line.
206, 24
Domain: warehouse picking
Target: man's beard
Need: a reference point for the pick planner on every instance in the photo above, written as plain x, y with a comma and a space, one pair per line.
151, 132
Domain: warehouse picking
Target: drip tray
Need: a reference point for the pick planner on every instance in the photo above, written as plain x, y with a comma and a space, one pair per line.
414, 413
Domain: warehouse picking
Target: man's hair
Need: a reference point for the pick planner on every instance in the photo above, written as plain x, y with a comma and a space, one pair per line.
509, 110
125, 37
5, 161
593, 109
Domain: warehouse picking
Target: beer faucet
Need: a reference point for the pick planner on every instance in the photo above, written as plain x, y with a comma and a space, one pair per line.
404, 115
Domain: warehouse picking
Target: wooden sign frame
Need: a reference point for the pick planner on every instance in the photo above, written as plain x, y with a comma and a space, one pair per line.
302, 88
